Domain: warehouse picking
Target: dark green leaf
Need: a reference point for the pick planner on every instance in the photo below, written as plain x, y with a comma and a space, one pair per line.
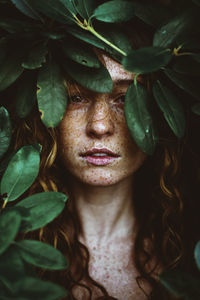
41, 255
187, 64
171, 107
5, 131
21, 172
52, 94
196, 108
26, 94
43, 208
13, 26
97, 80
36, 57
80, 53
30, 288
9, 226
151, 13
53, 9
139, 119
10, 70
170, 33
86, 37
11, 267
197, 253
146, 60
26, 9
114, 11
86, 7
185, 83
181, 284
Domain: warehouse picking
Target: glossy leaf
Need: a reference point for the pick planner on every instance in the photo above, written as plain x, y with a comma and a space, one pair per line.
181, 284
185, 83
97, 80
114, 11
5, 131
53, 9
80, 53
36, 57
197, 254
196, 108
41, 255
171, 107
26, 94
21, 172
178, 26
9, 226
139, 119
146, 60
52, 94
25, 8
43, 208
30, 288
187, 64
86, 37
10, 70
85, 8
151, 13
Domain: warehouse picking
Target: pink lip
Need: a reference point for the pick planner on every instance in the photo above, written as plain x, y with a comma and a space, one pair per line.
99, 160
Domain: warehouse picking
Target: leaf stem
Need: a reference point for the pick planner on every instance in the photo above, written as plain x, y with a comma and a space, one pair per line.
4, 204
86, 26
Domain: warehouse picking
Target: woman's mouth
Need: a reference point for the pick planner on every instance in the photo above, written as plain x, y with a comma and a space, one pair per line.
99, 157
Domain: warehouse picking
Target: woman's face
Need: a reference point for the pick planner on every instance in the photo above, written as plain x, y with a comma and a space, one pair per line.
95, 144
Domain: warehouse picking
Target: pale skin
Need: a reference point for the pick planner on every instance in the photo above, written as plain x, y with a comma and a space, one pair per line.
104, 195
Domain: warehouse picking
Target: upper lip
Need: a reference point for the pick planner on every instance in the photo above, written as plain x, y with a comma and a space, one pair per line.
102, 150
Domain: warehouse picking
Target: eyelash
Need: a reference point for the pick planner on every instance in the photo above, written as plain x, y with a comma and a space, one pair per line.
78, 99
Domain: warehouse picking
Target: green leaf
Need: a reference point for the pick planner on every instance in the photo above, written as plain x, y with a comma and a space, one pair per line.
114, 11
43, 208
146, 60
52, 94
36, 57
26, 94
86, 7
10, 70
196, 108
9, 227
86, 37
139, 119
197, 253
187, 64
98, 80
21, 172
5, 131
41, 255
185, 83
171, 107
26, 9
175, 28
30, 288
181, 284
80, 53
53, 9
11, 267
151, 13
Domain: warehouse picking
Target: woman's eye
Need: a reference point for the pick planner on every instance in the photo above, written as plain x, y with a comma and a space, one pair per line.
77, 99
120, 99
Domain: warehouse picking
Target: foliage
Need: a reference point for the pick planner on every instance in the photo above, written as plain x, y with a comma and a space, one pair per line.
42, 40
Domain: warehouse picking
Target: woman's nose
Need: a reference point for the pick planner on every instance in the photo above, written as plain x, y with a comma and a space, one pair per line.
100, 123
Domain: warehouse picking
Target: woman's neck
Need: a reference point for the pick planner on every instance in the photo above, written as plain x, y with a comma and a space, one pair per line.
106, 213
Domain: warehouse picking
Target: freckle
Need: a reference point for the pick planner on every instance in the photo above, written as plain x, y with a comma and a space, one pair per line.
94, 248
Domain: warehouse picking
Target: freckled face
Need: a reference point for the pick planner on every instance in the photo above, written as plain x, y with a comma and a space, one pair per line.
97, 121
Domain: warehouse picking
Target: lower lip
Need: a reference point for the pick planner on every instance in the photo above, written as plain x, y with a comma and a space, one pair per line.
99, 160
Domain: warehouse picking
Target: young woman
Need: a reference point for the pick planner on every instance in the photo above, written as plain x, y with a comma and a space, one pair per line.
128, 216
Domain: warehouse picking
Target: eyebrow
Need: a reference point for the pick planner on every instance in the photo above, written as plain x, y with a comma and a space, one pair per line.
122, 81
